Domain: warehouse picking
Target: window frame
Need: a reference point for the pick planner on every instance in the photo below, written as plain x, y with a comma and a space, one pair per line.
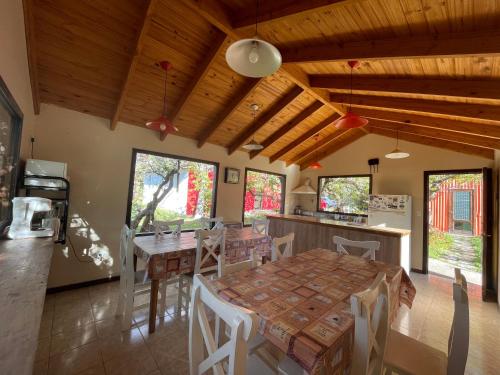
283, 190
135, 151
342, 176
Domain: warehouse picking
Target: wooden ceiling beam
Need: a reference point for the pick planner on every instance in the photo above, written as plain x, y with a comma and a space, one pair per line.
287, 127
483, 43
229, 109
304, 137
218, 46
148, 17
280, 9
469, 139
484, 130
263, 119
435, 142
341, 141
29, 27
438, 108
486, 89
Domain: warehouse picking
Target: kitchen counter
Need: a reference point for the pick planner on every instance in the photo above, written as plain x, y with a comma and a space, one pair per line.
314, 232
24, 269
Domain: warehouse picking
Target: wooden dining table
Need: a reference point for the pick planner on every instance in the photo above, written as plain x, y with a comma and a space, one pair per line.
168, 256
303, 303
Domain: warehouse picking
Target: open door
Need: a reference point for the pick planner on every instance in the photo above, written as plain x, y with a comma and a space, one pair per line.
488, 288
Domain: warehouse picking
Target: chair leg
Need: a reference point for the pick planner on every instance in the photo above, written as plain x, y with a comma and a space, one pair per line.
129, 307
163, 301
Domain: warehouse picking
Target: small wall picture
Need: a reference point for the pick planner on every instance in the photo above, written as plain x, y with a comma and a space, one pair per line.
232, 176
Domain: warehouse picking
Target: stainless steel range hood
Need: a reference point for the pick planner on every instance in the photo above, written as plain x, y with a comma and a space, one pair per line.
305, 188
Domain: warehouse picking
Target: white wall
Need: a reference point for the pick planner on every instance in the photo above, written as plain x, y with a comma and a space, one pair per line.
404, 176
99, 169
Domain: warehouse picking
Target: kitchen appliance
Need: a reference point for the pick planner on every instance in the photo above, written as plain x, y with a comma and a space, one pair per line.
392, 211
32, 217
305, 188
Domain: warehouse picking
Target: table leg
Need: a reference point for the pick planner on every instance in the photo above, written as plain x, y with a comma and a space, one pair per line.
135, 263
264, 259
155, 284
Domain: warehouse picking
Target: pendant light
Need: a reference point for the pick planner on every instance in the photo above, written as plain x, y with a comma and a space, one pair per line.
162, 123
253, 145
315, 164
253, 57
397, 153
351, 120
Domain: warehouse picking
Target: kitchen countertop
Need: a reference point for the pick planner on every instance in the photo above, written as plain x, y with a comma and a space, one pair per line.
342, 224
24, 269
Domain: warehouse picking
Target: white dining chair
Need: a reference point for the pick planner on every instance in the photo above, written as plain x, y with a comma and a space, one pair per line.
208, 223
132, 283
172, 227
285, 243
371, 247
260, 226
205, 353
405, 355
371, 321
224, 268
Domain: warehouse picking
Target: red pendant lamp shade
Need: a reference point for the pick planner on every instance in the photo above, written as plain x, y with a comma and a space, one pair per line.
162, 124
351, 120
315, 165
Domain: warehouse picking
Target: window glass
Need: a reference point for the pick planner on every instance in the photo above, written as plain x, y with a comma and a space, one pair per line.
344, 194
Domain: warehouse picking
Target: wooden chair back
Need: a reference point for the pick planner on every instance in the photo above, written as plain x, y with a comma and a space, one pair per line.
260, 226
173, 227
370, 246
208, 223
210, 244
282, 247
225, 268
458, 342
204, 352
371, 314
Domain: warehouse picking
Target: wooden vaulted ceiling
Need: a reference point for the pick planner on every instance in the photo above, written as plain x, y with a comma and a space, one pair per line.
430, 70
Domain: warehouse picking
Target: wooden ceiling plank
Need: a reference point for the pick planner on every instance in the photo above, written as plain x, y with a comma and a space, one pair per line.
304, 137
29, 27
469, 139
435, 142
342, 141
446, 87
287, 127
441, 108
263, 119
229, 109
484, 130
148, 17
483, 43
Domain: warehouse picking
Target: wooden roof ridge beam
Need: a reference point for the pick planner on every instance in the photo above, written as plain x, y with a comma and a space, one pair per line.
470, 139
340, 142
263, 119
484, 130
148, 17
479, 43
480, 89
280, 9
203, 68
304, 137
29, 27
244, 92
303, 115
314, 148
438, 108
434, 142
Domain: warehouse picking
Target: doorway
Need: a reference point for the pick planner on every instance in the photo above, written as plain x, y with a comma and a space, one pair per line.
458, 224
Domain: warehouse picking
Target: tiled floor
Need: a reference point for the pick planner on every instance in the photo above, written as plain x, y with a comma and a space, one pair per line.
80, 335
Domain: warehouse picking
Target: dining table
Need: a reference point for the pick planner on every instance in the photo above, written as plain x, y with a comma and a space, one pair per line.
167, 256
303, 303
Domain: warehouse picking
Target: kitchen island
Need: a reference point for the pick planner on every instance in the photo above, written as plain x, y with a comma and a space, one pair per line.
314, 232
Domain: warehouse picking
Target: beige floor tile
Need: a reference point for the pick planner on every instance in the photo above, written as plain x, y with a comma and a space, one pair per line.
95, 370
170, 347
43, 349
76, 360
110, 326
166, 326
62, 342
104, 311
45, 328
138, 362
73, 321
41, 367
121, 344
174, 367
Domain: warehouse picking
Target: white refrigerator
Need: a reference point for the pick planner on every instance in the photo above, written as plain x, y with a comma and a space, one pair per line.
392, 211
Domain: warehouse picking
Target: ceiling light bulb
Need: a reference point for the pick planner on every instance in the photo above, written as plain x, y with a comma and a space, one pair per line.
253, 56
163, 127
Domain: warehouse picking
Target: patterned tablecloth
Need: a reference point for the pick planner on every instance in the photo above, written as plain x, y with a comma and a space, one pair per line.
303, 303
168, 256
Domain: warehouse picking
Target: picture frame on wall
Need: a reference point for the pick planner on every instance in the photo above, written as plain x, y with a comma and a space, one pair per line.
232, 176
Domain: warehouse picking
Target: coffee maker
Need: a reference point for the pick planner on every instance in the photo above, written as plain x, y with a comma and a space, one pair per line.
32, 217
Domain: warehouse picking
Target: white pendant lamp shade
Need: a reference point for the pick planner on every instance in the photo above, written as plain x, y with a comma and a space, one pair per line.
397, 154
253, 58
253, 146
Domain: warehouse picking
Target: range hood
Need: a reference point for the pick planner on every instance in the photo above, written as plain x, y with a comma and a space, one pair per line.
305, 188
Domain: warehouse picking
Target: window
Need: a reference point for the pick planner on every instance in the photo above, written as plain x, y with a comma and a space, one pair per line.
264, 194
344, 194
167, 187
